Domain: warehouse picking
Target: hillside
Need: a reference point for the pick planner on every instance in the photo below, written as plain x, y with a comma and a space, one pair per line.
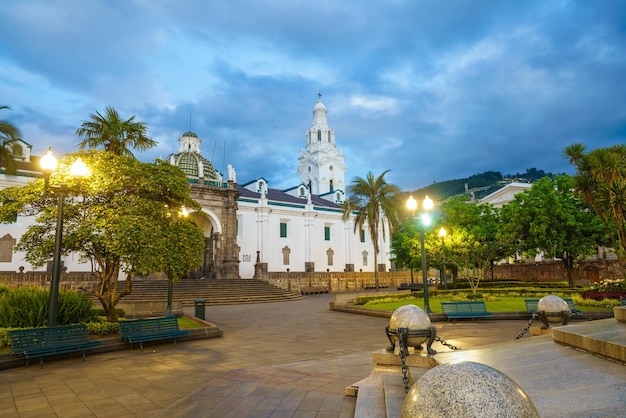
479, 185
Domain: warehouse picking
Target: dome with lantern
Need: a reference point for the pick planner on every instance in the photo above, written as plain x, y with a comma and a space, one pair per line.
189, 159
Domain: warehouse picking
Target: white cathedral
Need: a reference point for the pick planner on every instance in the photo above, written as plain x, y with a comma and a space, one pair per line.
252, 229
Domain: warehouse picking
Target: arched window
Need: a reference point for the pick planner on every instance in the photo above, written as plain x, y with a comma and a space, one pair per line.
332, 186
319, 136
328, 136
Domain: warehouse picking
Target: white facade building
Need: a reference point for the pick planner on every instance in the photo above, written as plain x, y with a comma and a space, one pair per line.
301, 229
251, 226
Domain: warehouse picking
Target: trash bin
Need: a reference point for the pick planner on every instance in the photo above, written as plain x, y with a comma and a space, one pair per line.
200, 304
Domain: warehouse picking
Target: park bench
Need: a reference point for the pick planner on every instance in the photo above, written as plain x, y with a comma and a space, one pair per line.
150, 329
465, 310
42, 342
531, 306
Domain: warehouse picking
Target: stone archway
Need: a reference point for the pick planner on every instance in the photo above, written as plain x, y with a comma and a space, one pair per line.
218, 220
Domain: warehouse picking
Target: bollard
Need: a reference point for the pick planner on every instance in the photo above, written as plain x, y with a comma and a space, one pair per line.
200, 304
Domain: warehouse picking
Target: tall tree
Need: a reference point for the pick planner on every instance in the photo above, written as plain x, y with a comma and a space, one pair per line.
375, 204
549, 218
123, 219
114, 134
600, 181
9, 145
473, 245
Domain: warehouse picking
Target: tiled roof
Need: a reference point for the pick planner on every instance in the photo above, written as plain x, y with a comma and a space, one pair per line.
280, 196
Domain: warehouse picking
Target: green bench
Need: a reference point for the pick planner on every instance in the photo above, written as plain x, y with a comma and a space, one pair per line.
531, 306
465, 310
42, 342
150, 329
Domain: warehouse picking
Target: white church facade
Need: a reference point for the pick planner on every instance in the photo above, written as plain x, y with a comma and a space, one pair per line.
301, 228
252, 228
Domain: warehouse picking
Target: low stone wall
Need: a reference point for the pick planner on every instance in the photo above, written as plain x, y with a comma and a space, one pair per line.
336, 282
148, 308
588, 272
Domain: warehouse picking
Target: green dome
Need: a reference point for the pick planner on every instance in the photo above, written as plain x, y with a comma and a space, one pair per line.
191, 134
189, 162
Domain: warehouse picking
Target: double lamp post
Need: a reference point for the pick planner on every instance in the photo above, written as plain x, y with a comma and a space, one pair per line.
424, 221
78, 170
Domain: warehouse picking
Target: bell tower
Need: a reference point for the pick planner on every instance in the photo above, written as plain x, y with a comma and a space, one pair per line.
322, 166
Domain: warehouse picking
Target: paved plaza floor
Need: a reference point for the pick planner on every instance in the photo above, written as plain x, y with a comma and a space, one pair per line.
285, 359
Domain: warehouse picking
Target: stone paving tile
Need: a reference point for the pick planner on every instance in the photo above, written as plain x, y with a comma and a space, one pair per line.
257, 360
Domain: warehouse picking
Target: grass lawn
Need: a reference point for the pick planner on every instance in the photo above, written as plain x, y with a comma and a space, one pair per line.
188, 323
502, 304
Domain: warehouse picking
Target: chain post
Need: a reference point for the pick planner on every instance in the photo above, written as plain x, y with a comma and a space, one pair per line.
527, 327
443, 342
402, 340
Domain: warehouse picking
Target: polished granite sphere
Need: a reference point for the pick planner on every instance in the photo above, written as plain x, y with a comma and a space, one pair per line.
466, 389
553, 307
411, 317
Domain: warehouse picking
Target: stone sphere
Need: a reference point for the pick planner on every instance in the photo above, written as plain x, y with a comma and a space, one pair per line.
466, 389
411, 317
553, 306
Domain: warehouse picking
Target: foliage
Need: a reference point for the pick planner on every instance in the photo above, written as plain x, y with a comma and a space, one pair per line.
600, 182
102, 328
9, 146
27, 307
114, 134
124, 218
609, 285
549, 218
471, 243
405, 246
376, 204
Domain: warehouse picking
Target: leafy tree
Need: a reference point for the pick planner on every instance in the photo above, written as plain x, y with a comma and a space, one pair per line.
600, 182
123, 218
9, 146
549, 218
376, 204
114, 134
471, 244
405, 245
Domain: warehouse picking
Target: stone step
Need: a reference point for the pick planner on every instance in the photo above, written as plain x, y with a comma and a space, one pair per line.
214, 292
559, 377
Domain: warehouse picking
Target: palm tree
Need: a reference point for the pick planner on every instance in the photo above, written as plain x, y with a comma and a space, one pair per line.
9, 146
375, 203
114, 134
601, 181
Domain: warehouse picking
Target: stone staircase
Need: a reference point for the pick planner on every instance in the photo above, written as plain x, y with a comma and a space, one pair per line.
577, 371
214, 292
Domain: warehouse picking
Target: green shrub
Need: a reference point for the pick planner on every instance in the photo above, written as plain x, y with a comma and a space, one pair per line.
27, 307
102, 328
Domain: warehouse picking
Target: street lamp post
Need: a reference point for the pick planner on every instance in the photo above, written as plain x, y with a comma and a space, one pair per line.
78, 170
427, 206
442, 234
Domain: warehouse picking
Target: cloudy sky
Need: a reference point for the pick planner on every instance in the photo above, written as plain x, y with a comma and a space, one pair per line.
433, 90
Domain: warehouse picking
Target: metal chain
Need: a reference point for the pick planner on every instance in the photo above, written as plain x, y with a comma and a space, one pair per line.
443, 342
403, 353
527, 327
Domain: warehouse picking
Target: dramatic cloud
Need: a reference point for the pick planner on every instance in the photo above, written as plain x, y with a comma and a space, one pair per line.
431, 90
